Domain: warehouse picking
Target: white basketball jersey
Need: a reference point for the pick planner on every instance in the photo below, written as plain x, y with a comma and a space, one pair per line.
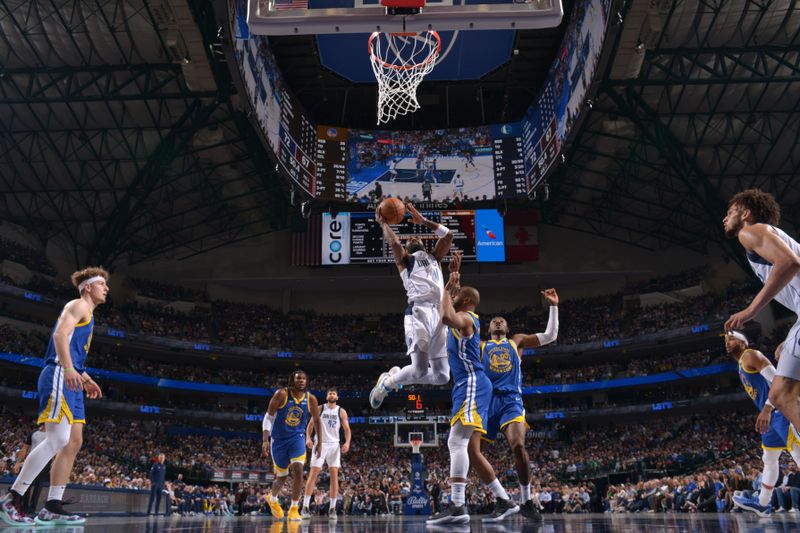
422, 278
789, 296
330, 422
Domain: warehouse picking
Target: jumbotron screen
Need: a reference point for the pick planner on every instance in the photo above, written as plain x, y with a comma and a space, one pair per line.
356, 238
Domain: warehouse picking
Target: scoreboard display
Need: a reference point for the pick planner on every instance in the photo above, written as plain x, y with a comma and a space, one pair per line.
415, 406
508, 153
356, 238
332, 162
298, 144
366, 236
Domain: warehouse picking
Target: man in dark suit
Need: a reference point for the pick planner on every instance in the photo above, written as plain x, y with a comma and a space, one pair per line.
157, 475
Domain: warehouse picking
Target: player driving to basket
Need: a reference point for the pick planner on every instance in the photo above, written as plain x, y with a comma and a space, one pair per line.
425, 335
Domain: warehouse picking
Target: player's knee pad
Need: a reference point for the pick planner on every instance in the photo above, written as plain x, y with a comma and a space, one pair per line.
771, 469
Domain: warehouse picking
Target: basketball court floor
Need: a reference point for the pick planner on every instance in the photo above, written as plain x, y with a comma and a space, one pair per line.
584, 523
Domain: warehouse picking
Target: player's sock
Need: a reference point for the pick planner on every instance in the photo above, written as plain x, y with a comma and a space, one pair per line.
56, 492
765, 495
524, 492
497, 489
272, 498
295, 503
333, 504
458, 493
306, 501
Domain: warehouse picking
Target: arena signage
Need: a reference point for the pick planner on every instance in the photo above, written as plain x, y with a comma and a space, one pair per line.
335, 239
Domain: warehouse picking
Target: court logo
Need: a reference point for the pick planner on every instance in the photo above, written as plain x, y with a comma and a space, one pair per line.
336, 239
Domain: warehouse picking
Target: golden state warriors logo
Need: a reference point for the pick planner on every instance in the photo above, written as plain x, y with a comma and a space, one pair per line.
294, 416
500, 360
752, 392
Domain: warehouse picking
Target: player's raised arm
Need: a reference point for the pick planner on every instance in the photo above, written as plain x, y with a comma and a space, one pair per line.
278, 399
313, 407
398, 251
455, 267
442, 246
550, 334
450, 317
760, 239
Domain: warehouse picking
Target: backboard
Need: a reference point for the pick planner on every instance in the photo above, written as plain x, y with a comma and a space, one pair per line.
404, 429
303, 17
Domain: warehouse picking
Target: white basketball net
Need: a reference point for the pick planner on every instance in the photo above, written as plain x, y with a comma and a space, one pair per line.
400, 61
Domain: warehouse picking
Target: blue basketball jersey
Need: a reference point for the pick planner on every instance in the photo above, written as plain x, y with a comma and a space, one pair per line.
501, 362
464, 353
79, 343
292, 417
755, 385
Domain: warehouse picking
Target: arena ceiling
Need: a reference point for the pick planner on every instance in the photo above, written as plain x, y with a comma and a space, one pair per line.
120, 128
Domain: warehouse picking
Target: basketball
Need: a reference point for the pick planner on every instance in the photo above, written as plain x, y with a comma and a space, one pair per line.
392, 210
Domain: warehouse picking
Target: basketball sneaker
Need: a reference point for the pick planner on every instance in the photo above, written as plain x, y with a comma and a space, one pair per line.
332, 514
380, 391
11, 510
502, 509
275, 508
305, 513
294, 514
752, 505
54, 514
530, 511
449, 515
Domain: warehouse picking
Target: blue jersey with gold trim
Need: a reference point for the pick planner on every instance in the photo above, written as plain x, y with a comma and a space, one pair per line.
79, 343
292, 417
501, 362
464, 353
755, 385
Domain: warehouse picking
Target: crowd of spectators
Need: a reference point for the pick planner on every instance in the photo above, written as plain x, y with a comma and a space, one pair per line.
33, 343
25, 255
684, 452
583, 320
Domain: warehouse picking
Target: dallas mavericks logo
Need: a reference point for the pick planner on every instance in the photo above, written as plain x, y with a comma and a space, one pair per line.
499, 360
294, 416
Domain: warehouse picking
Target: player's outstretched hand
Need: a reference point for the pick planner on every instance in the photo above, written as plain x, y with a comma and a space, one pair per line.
738, 320
454, 283
378, 217
551, 296
762, 422
265, 448
416, 217
93, 391
455, 262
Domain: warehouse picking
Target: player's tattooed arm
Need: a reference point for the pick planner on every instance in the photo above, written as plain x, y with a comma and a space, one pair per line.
389, 236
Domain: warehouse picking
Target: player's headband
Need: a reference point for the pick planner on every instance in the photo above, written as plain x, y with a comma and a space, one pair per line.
89, 281
738, 335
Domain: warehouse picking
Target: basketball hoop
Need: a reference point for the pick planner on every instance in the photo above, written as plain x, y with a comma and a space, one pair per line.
400, 61
416, 442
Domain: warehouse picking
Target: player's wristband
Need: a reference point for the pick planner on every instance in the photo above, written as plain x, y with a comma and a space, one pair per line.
770, 404
441, 231
70, 369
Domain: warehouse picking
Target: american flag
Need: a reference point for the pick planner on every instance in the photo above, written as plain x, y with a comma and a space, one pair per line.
307, 245
278, 5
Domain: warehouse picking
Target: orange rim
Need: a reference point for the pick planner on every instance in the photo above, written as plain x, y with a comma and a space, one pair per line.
431, 57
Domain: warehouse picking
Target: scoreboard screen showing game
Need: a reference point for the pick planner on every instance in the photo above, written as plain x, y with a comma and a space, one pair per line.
355, 238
